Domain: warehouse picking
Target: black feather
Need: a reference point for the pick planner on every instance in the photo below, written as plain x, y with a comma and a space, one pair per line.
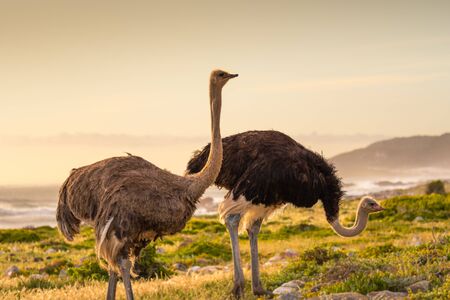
270, 168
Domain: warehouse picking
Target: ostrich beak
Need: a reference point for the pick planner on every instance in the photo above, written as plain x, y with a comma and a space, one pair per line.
232, 75
379, 208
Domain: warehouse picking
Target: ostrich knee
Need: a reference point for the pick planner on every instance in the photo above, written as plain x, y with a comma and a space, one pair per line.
232, 223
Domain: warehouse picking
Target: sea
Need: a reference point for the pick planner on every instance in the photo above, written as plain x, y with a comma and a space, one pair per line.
34, 206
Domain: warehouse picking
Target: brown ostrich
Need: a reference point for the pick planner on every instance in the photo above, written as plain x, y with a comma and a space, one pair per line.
264, 170
130, 202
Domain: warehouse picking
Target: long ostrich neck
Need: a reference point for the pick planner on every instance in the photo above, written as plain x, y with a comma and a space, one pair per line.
360, 224
209, 173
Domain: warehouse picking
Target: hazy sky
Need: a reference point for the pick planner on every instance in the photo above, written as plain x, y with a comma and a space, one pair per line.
141, 68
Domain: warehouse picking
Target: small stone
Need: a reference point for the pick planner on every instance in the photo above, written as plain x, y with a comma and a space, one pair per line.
63, 274
295, 284
418, 219
275, 258
420, 286
341, 296
50, 251
193, 269
187, 241
12, 271
316, 288
15, 249
160, 250
416, 241
180, 267
202, 261
284, 290
387, 295
208, 270
39, 276
83, 259
290, 296
290, 253
37, 259
2, 252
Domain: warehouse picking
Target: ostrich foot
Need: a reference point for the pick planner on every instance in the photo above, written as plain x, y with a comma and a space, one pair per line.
238, 290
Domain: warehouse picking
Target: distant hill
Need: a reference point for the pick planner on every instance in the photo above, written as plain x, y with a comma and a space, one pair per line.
423, 156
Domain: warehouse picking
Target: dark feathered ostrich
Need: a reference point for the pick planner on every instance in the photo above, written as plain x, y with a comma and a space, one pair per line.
264, 170
130, 201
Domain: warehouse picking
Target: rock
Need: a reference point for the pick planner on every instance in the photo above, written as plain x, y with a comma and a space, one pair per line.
50, 251
39, 276
193, 269
184, 243
202, 261
418, 219
2, 252
83, 259
208, 270
290, 253
284, 290
289, 296
12, 271
387, 295
37, 259
160, 250
295, 284
63, 274
416, 241
341, 296
316, 288
15, 249
180, 267
275, 258
420, 286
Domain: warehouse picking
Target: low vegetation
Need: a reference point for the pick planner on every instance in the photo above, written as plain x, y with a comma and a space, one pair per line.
406, 243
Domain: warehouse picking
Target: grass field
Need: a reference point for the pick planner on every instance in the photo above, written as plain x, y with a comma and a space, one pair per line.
406, 243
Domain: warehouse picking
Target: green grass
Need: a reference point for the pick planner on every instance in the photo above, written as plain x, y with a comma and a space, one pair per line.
393, 252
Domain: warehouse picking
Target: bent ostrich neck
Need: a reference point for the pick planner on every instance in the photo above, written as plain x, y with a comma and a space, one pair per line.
359, 225
203, 179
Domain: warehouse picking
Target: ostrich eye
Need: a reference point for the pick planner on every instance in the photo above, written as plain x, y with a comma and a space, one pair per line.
372, 204
221, 74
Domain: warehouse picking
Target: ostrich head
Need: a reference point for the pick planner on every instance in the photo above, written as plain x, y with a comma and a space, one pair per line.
366, 206
220, 78
370, 205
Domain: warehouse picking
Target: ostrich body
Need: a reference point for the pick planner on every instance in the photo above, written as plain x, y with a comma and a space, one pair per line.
263, 170
130, 202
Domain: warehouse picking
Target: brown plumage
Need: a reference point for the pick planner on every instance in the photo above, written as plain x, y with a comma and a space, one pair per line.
130, 202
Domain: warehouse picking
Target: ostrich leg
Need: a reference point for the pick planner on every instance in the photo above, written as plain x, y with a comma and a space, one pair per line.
232, 223
256, 281
125, 266
112, 283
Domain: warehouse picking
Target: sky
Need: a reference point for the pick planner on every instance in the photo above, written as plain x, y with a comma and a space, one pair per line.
126, 72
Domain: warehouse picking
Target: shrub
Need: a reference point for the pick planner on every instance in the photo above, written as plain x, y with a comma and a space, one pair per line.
407, 208
435, 187
89, 270
321, 255
18, 236
27, 235
148, 267
196, 226
206, 249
